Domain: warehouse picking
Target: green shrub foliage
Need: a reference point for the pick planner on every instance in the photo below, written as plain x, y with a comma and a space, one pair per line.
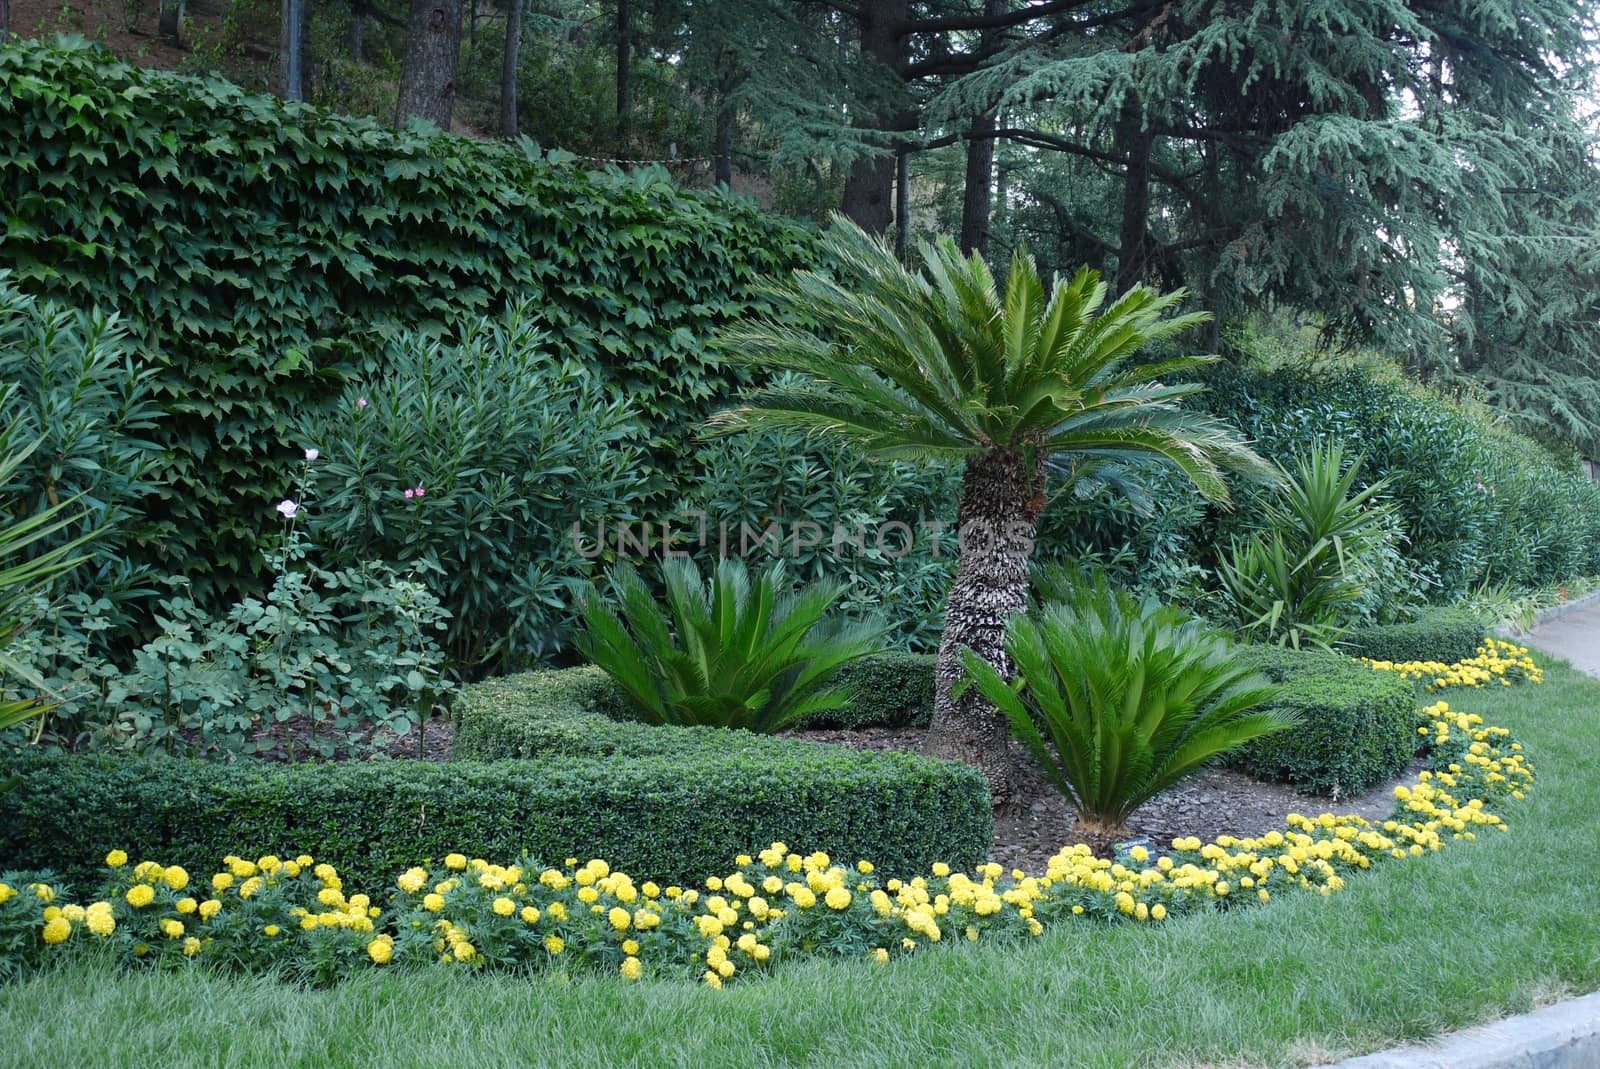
1445, 635
891, 690
1356, 727
662, 802
262, 249
510, 448
1479, 504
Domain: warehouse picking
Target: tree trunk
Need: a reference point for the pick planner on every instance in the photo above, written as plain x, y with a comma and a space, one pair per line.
508, 71
1000, 503
724, 146
976, 196
868, 192
170, 22
292, 48
624, 71
976, 202
355, 37
428, 73
5, 19
902, 202
1136, 142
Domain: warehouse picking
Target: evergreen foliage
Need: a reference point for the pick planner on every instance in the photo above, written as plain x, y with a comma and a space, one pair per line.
263, 252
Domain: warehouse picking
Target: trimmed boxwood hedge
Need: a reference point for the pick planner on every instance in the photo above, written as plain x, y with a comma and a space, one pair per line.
1357, 727
892, 690
1447, 635
680, 813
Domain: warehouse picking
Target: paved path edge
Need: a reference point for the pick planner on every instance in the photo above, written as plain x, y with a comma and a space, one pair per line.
1563, 1036
1545, 616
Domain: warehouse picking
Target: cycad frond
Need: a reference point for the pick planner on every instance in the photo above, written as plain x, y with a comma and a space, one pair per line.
939, 360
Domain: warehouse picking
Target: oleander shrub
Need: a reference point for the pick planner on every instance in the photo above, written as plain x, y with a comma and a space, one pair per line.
676, 803
1356, 727
1436, 634
264, 252
470, 463
74, 394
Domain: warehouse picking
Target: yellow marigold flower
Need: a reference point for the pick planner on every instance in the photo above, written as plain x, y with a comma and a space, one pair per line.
250, 887
100, 922
940, 869
433, 902
557, 911
43, 892
210, 908
866, 868
503, 906
530, 915
464, 951
881, 956
57, 929
838, 898
187, 905
222, 881
242, 869
191, 947
176, 877
455, 862
141, 895
172, 928
271, 931
632, 968
644, 919
620, 918
554, 944
116, 859
412, 880
381, 950
1158, 912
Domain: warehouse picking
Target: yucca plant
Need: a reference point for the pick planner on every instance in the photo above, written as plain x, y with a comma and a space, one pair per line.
1118, 700
1293, 582
935, 362
739, 651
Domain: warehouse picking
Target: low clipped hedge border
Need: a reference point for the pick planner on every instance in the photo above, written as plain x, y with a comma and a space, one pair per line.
1446, 635
670, 803
1357, 727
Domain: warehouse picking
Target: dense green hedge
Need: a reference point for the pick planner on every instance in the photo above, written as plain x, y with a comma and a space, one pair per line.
1357, 727
265, 249
1447, 635
678, 813
891, 690
1480, 504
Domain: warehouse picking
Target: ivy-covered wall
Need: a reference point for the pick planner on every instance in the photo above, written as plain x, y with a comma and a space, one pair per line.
265, 249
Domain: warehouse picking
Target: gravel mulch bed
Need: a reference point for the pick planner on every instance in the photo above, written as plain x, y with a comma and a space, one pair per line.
1208, 804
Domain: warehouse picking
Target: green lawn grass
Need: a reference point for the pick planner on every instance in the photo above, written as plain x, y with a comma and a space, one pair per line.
1420, 947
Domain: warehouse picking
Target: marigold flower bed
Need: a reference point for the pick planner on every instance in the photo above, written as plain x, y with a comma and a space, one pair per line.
293, 915
1497, 662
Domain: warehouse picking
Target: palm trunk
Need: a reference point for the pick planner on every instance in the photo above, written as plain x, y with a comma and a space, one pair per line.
509, 61
1001, 496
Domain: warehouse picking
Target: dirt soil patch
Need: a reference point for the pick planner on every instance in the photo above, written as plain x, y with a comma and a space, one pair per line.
1210, 803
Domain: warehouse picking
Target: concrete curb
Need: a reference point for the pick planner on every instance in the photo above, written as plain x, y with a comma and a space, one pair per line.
1555, 612
1563, 1036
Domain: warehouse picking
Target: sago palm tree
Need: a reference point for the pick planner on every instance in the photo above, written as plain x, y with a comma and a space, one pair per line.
934, 362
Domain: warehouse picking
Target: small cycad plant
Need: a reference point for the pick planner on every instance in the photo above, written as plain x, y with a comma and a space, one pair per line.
740, 650
1118, 700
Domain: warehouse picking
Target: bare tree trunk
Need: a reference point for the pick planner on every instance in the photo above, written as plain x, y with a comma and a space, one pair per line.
170, 21
5, 19
428, 73
902, 202
1000, 503
355, 37
1135, 142
508, 71
724, 146
868, 192
292, 49
976, 196
624, 70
